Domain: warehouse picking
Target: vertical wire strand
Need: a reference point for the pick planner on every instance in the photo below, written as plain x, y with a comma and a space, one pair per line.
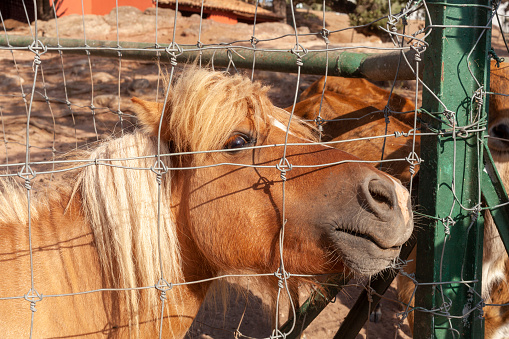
162, 169
119, 98
319, 121
28, 176
199, 43
284, 166
64, 80
92, 106
5, 140
253, 42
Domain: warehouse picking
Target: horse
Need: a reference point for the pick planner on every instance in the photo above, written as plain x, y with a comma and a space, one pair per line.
367, 92
346, 115
127, 247
343, 100
495, 258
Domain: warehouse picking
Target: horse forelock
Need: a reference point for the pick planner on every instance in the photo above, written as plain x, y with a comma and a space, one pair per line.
205, 107
122, 208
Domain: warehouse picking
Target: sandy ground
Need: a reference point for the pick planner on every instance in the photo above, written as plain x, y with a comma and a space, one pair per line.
57, 128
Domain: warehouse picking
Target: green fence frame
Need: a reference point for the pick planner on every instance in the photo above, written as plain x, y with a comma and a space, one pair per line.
446, 61
450, 229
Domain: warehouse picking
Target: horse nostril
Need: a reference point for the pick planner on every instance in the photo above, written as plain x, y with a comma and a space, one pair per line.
500, 131
382, 195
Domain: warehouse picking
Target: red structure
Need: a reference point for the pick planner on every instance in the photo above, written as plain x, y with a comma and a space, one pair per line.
225, 11
99, 7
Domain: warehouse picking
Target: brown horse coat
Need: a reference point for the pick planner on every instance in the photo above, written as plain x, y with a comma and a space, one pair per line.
350, 118
221, 213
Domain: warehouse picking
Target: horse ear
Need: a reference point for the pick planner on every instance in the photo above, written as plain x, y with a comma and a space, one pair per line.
149, 115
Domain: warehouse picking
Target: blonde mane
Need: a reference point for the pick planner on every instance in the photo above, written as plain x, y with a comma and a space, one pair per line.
122, 208
13, 199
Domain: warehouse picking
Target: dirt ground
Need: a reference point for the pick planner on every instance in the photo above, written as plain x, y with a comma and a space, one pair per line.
58, 127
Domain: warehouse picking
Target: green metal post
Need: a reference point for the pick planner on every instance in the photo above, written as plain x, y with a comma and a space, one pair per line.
449, 249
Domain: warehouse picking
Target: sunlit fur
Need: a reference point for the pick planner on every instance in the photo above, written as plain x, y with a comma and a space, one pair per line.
128, 236
113, 206
14, 204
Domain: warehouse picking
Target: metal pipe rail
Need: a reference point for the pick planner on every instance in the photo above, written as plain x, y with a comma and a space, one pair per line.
377, 67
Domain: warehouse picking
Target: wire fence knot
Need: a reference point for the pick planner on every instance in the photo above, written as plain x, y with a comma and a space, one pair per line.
495, 57
173, 50
387, 111
476, 211
277, 334
398, 134
36, 47
448, 222
413, 159
417, 55
281, 277
319, 121
284, 166
254, 41
391, 23
163, 286
159, 168
37, 61
297, 50
32, 296
162, 297
462, 132
27, 173
481, 306
449, 115
324, 34
479, 95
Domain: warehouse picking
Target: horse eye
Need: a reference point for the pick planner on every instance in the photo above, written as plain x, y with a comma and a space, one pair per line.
237, 141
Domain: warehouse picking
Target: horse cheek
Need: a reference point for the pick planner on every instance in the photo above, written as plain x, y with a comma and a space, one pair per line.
219, 220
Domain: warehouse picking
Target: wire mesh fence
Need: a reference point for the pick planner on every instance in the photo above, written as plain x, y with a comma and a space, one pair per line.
66, 88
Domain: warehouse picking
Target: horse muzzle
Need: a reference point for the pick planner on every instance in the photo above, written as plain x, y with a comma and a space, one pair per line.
370, 230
